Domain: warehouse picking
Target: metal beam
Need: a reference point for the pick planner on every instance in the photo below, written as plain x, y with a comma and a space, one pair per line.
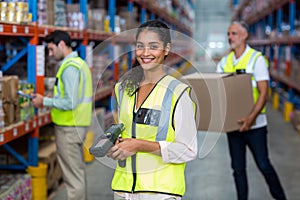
16, 155
14, 60
111, 13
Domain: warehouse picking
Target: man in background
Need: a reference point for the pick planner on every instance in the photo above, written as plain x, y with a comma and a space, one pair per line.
71, 111
253, 131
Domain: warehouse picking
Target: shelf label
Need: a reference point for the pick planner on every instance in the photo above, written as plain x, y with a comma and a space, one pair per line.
40, 59
26, 29
276, 51
288, 53
27, 127
1, 28
14, 29
1, 137
40, 121
268, 52
46, 31
15, 132
46, 119
34, 124
89, 55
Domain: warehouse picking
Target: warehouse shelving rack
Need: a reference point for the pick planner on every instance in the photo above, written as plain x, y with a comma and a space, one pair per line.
155, 11
147, 4
271, 17
33, 32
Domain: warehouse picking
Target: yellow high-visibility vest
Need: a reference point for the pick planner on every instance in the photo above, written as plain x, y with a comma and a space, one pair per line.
247, 63
153, 121
82, 114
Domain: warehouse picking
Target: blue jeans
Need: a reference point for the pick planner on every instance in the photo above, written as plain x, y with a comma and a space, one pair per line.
256, 140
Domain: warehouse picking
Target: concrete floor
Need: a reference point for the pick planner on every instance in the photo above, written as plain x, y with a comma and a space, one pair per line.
210, 178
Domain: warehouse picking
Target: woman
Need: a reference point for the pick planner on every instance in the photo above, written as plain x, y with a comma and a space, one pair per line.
160, 129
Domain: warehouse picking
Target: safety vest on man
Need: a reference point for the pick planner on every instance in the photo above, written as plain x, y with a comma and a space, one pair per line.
247, 63
81, 115
153, 121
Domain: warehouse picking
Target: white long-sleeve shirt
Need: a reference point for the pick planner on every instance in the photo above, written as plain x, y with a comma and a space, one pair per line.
185, 147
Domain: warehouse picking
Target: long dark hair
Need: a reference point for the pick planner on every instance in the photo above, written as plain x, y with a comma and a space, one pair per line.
131, 80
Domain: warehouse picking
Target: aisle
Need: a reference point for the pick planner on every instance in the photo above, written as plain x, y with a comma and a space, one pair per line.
210, 178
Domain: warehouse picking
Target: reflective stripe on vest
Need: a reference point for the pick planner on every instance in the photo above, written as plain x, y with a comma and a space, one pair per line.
247, 62
81, 115
153, 124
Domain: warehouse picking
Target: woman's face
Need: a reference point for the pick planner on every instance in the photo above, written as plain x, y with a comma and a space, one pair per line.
150, 50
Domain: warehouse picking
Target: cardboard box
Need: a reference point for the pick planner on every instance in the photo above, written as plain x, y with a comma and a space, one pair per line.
9, 113
221, 99
9, 86
50, 12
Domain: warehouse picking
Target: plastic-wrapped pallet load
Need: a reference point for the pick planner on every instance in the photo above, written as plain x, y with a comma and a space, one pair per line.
56, 13
26, 109
15, 186
16, 12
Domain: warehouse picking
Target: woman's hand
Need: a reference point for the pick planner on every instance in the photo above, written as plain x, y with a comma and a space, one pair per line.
123, 149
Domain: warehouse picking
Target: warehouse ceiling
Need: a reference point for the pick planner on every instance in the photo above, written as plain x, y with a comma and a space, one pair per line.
211, 22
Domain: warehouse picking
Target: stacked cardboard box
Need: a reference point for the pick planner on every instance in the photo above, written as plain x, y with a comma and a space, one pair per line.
50, 12
56, 13
295, 70
2, 114
10, 99
101, 72
74, 16
129, 17
42, 12
96, 18
297, 26
60, 16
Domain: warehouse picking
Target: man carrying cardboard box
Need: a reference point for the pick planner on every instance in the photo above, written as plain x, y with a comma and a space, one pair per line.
253, 130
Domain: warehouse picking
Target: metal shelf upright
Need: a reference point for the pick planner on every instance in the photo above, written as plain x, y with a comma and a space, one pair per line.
35, 75
30, 127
